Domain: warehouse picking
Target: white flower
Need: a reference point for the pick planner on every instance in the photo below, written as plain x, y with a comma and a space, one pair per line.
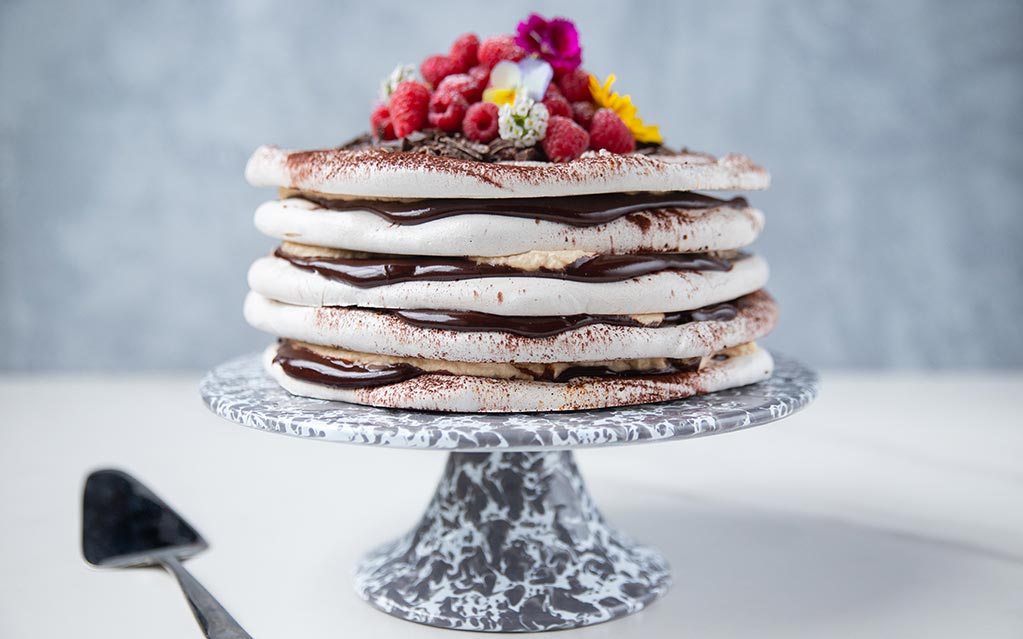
523, 122
401, 73
508, 80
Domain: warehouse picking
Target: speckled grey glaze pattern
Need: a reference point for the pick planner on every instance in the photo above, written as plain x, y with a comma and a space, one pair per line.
241, 391
512, 543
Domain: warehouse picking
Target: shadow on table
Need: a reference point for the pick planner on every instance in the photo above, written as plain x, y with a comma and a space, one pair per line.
737, 569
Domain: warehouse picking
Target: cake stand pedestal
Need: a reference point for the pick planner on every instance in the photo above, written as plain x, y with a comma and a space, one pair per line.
511, 541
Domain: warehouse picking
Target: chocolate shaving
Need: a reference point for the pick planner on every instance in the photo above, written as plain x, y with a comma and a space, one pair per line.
653, 148
364, 141
457, 146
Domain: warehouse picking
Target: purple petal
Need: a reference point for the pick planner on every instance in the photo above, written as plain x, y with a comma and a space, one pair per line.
564, 36
556, 41
532, 33
536, 75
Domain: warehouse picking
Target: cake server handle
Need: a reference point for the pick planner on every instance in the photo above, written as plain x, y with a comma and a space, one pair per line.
216, 622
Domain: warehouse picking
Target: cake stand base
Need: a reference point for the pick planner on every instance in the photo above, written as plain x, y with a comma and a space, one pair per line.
512, 542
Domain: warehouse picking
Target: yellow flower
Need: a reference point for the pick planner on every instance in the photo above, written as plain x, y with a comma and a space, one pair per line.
499, 96
622, 105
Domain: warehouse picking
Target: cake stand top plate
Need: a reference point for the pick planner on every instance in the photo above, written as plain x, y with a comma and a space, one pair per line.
241, 391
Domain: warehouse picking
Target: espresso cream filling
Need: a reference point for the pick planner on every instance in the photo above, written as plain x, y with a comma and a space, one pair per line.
307, 250
349, 369
529, 261
536, 260
357, 269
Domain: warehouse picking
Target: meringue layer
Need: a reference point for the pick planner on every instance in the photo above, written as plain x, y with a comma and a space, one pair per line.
696, 231
385, 173
660, 292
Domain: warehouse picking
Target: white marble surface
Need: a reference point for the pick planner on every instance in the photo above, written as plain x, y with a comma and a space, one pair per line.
892, 507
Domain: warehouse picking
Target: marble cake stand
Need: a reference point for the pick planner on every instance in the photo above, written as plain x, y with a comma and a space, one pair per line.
511, 541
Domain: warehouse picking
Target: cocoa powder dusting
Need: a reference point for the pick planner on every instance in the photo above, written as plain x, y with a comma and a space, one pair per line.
489, 163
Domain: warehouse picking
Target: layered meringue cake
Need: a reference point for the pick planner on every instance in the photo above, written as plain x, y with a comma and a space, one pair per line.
436, 269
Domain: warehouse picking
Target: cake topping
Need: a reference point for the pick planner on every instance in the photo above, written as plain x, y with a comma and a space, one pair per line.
481, 122
498, 48
465, 50
575, 86
530, 77
447, 108
609, 132
523, 122
554, 41
400, 74
623, 107
565, 140
465, 85
511, 80
408, 107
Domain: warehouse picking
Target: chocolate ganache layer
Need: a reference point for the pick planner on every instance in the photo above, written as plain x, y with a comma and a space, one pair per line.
304, 364
549, 325
384, 270
579, 210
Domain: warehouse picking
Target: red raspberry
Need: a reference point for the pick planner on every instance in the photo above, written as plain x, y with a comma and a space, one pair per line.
480, 123
607, 131
557, 105
480, 74
498, 48
447, 108
408, 106
463, 84
552, 89
582, 112
565, 140
380, 121
464, 51
437, 67
575, 85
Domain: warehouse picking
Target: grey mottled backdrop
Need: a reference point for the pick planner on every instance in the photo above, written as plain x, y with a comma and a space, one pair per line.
894, 132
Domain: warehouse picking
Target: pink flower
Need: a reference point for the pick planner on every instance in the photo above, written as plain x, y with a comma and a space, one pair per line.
555, 41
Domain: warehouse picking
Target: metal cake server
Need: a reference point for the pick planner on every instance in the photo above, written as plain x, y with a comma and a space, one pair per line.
125, 525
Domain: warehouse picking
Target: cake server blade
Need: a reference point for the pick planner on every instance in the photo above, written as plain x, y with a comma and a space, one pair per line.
124, 525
